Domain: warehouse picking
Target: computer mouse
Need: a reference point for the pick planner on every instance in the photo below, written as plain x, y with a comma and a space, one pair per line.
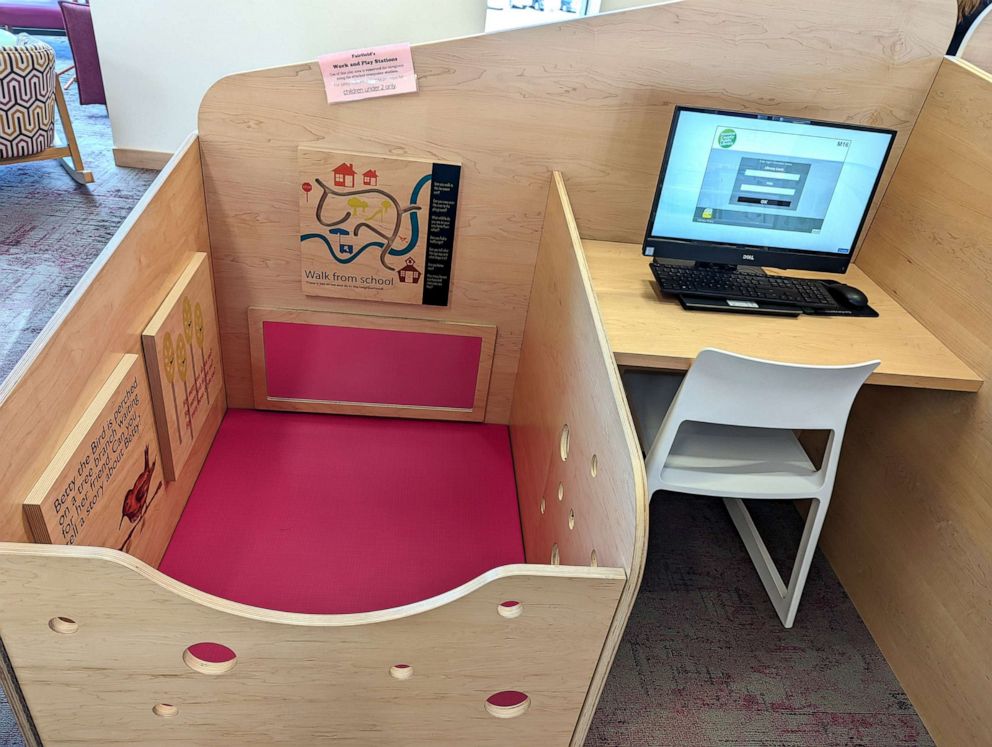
847, 295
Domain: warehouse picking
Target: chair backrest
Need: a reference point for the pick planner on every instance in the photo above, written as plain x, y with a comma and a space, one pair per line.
27, 97
82, 40
730, 389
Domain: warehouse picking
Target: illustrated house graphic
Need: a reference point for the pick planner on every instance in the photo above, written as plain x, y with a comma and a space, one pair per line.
370, 178
409, 274
344, 175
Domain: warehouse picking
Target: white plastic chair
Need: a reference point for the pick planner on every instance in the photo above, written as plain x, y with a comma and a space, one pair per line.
729, 433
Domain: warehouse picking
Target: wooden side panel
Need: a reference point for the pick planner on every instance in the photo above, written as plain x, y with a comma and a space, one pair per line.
580, 476
592, 97
182, 349
105, 485
45, 396
427, 378
298, 679
910, 527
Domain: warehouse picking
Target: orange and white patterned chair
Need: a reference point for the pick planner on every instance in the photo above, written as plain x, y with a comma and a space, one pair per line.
29, 95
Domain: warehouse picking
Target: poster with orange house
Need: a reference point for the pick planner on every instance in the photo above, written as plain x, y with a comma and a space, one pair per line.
376, 227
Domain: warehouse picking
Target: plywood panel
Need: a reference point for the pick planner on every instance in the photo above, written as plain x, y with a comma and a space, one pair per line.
422, 377
184, 391
649, 330
104, 486
580, 475
592, 97
910, 527
298, 679
46, 394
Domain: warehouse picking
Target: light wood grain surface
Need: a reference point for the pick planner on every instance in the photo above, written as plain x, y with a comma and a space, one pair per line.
186, 384
106, 480
649, 330
45, 395
592, 97
580, 476
262, 399
910, 526
298, 679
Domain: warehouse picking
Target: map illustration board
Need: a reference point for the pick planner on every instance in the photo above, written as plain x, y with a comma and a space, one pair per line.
377, 228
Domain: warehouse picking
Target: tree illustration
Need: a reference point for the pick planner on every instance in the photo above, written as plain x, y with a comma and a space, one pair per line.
188, 334
198, 330
169, 366
181, 370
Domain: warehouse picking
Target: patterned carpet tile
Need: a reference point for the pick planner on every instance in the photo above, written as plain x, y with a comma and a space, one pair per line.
51, 229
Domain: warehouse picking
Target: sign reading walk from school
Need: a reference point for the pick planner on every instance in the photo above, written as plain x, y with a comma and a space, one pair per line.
377, 228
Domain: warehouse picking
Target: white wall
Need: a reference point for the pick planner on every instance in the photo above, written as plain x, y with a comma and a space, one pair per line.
160, 56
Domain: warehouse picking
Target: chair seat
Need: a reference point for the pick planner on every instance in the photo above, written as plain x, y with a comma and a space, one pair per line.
31, 14
739, 462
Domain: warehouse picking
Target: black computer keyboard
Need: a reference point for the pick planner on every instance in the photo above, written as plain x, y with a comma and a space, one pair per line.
688, 280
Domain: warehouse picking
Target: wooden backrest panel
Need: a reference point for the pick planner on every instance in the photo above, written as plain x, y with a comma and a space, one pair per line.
910, 527
43, 399
592, 97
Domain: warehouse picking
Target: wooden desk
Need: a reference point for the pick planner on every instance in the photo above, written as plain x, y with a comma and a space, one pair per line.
647, 330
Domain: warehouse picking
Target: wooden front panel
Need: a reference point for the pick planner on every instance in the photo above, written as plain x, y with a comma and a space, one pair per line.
910, 526
591, 97
297, 679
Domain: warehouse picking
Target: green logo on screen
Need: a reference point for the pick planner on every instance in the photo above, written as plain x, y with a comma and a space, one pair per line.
727, 138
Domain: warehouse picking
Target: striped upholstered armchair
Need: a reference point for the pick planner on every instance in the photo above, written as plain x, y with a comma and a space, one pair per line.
29, 95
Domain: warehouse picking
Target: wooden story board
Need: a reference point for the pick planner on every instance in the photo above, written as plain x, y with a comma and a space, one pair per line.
107, 474
377, 228
182, 348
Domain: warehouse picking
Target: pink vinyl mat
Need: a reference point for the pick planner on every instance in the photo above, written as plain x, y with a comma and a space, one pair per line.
336, 514
376, 366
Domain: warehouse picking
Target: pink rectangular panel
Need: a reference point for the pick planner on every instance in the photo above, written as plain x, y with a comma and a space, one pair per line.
375, 366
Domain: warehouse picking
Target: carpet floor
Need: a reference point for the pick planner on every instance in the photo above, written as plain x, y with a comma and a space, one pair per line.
704, 661
51, 228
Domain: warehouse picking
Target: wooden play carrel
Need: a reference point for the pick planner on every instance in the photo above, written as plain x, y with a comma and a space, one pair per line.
100, 644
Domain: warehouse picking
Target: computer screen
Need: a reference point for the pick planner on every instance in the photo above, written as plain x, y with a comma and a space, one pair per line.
765, 182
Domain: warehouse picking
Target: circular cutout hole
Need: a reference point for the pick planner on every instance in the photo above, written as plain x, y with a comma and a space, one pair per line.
543, 506
554, 554
510, 609
593, 559
165, 710
401, 671
210, 658
63, 625
564, 442
561, 491
594, 465
507, 704
571, 519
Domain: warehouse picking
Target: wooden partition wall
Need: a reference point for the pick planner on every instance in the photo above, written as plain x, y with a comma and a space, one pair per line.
910, 528
592, 97
44, 397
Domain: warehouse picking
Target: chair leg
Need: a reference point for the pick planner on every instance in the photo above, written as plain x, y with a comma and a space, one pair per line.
784, 598
76, 169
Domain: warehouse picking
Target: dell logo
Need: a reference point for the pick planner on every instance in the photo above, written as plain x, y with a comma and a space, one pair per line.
748, 256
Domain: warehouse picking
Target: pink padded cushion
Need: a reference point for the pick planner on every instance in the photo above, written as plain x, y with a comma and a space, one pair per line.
31, 14
333, 514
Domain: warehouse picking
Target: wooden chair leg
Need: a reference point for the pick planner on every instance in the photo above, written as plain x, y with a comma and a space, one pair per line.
76, 169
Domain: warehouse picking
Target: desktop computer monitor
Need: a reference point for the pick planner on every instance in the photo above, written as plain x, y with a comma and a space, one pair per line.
756, 189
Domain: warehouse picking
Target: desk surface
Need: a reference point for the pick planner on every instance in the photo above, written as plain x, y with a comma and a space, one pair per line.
647, 330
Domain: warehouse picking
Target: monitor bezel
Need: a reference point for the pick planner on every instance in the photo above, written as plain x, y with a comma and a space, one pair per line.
671, 247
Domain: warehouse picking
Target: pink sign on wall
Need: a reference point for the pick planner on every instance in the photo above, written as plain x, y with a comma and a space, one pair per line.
366, 73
